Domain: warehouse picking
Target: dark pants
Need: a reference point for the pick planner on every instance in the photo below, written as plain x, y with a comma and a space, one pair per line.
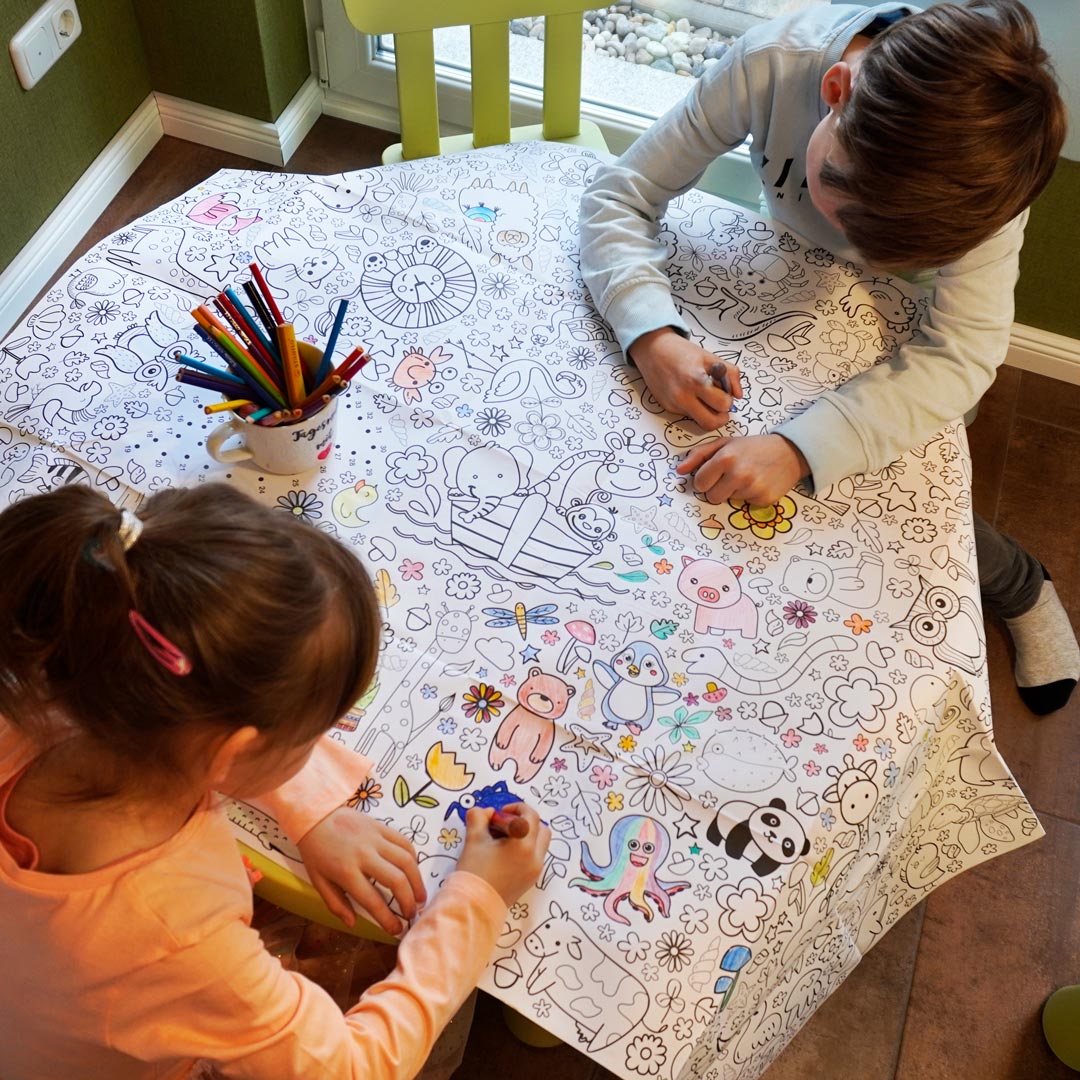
1009, 578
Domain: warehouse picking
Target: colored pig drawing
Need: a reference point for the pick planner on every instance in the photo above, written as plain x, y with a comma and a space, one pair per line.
722, 606
605, 1001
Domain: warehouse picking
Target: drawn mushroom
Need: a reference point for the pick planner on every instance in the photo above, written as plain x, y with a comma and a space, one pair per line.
582, 635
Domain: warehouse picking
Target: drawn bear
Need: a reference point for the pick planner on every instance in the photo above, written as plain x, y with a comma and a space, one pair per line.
856, 586
722, 606
769, 836
527, 732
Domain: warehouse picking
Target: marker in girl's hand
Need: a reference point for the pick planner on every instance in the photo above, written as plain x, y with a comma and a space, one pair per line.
503, 823
718, 374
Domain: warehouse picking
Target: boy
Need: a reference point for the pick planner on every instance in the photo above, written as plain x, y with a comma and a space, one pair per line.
898, 138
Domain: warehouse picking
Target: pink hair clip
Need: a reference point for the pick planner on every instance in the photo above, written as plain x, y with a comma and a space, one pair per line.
159, 646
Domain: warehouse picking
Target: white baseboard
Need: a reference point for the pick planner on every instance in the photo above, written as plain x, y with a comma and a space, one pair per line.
1044, 353
30, 270
273, 143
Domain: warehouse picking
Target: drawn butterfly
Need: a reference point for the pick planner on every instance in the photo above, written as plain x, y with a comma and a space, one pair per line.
520, 617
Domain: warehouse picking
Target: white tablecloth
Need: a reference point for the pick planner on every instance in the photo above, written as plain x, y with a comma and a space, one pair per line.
759, 738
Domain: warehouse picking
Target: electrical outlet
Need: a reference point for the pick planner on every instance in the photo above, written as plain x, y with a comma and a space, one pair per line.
45, 36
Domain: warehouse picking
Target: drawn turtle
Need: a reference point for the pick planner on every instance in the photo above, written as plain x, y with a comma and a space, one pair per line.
739, 759
980, 819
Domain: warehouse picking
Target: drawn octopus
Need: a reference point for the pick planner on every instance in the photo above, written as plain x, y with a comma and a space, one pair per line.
638, 847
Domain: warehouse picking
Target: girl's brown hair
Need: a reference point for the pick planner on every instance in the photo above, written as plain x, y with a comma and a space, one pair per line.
953, 127
278, 619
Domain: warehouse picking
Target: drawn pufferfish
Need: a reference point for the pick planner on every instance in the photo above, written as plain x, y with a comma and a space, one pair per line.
950, 626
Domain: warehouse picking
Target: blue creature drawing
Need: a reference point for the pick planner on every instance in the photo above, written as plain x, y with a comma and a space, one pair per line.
635, 682
637, 848
493, 797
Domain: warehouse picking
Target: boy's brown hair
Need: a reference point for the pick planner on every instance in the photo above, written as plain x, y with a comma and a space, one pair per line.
953, 126
277, 618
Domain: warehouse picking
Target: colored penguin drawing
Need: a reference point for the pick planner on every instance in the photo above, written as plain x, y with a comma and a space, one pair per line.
638, 846
635, 683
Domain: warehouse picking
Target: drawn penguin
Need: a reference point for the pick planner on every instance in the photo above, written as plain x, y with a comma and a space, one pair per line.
635, 681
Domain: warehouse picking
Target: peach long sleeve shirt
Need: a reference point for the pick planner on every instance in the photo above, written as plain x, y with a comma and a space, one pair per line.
137, 969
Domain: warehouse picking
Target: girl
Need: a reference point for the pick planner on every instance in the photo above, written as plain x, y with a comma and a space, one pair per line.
145, 663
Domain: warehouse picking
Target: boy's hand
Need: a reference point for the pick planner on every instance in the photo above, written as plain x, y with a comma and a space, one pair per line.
758, 469
679, 374
510, 866
346, 852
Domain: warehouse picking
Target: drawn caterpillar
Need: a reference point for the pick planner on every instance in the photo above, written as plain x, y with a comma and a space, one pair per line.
715, 664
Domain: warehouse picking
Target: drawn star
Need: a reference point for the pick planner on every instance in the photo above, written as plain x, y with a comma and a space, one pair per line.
499, 353
694, 849
424, 590
686, 826
99, 338
580, 672
895, 545
529, 653
760, 647
814, 549
751, 416
829, 280
688, 746
896, 498
571, 607
664, 500
223, 267
639, 594
515, 343
584, 745
380, 344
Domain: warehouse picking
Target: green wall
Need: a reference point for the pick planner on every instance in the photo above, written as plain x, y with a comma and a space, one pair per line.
52, 133
1048, 293
244, 56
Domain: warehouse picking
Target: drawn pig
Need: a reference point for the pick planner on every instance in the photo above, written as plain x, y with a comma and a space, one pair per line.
722, 606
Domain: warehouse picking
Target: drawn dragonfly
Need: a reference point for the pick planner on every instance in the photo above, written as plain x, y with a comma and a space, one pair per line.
521, 617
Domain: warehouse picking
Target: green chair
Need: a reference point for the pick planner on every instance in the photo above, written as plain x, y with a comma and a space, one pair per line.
412, 22
1061, 1024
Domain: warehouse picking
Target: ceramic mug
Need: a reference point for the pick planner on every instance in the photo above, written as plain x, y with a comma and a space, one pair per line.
284, 450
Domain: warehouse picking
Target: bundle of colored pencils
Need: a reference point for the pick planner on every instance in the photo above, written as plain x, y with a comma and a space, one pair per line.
267, 379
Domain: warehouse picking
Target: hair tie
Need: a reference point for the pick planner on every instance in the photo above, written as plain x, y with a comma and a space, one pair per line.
159, 646
130, 529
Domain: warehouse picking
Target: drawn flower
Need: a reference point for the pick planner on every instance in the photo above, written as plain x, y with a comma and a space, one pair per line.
860, 742
462, 586
482, 703
366, 797
449, 838
812, 768
558, 764
409, 466
819, 256
899, 588
662, 567
646, 1054
858, 697
658, 780
100, 312
713, 867
694, 920
448, 726
603, 776
633, 948
791, 738
883, 748
306, 507
444, 769
746, 908
472, 738
674, 951
549, 637
539, 430
683, 725
492, 422
614, 800
763, 521
627, 742
411, 571
828, 819
921, 530
427, 691
858, 624
799, 613
110, 427
581, 358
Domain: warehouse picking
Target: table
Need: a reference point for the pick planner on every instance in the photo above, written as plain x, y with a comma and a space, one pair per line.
760, 735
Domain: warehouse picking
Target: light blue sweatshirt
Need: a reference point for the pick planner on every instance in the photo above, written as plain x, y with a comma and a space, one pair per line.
768, 87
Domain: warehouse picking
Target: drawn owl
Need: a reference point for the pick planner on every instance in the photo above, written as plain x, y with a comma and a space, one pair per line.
949, 625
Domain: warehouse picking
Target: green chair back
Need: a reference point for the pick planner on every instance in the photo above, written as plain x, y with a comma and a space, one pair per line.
412, 23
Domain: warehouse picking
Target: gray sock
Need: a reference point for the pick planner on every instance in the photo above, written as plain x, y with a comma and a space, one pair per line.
1047, 655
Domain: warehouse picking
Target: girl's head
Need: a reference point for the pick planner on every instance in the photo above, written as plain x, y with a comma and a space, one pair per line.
276, 622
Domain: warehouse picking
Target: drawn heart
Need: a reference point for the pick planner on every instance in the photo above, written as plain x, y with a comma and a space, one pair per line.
499, 594
497, 652
879, 656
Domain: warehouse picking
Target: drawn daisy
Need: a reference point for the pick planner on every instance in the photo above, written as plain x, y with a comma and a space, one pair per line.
366, 797
301, 504
674, 950
492, 422
482, 702
658, 780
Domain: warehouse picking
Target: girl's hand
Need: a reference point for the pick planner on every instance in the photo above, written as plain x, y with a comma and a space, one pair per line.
510, 866
680, 375
758, 469
346, 852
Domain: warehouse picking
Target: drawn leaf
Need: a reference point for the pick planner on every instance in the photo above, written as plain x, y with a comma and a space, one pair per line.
401, 791
635, 576
628, 623
869, 534
385, 590
662, 628
454, 670
586, 808
426, 801
821, 868
602, 566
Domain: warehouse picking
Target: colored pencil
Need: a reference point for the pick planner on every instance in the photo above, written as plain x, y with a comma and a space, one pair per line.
327, 386
268, 296
249, 364
290, 361
326, 366
257, 415
249, 338
193, 378
225, 406
253, 386
206, 369
261, 310
252, 322
350, 368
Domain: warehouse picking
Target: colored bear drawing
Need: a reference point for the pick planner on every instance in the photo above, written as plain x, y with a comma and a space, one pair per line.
527, 732
722, 606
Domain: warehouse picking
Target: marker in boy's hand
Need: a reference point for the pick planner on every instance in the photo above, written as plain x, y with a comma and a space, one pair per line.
509, 865
684, 377
505, 823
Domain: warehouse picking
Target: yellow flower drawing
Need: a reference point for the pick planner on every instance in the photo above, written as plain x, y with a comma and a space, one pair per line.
763, 521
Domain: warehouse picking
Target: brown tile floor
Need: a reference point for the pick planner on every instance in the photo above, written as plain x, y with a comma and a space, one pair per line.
954, 991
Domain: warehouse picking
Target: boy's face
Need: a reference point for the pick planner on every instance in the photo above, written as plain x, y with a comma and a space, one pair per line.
824, 146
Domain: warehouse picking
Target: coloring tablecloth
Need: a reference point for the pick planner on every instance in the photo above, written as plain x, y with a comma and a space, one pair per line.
759, 735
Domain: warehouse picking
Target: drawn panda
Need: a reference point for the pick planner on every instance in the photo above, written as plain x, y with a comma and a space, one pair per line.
769, 836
